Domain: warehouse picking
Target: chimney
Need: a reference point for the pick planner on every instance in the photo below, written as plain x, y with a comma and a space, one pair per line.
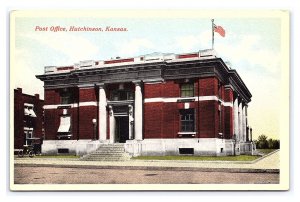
19, 90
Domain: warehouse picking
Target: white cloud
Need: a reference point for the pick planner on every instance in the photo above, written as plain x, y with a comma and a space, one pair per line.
249, 49
75, 48
133, 46
193, 42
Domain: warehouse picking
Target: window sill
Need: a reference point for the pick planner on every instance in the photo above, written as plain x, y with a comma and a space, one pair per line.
186, 99
187, 134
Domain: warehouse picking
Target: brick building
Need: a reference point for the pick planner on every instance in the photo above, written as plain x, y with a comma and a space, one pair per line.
28, 118
156, 104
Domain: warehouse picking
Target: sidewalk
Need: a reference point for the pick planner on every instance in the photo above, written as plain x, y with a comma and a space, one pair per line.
269, 163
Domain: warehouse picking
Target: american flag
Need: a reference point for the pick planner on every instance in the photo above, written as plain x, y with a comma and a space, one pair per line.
220, 30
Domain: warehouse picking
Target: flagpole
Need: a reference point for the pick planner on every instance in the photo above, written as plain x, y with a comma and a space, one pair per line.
213, 34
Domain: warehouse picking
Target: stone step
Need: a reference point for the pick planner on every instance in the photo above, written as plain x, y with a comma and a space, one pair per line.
111, 152
110, 149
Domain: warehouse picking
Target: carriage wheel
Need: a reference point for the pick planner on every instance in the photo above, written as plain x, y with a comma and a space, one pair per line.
30, 154
20, 153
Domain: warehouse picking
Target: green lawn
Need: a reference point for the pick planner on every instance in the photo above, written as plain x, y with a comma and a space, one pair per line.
57, 156
199, 158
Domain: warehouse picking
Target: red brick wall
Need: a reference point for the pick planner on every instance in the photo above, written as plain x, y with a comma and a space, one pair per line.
153, 90
170, 89
52, 121
208, 86
207, 114
162, 119
87, 94
87, 113
153, 120
86, 116
52, 97
228, 112
74, 121
19, 138
170, 120
228, 95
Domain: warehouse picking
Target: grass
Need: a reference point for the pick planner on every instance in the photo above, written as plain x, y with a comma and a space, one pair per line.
57, 156
265, 151
199, 158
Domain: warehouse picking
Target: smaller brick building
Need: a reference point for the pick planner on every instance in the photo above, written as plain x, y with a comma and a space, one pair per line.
28, 118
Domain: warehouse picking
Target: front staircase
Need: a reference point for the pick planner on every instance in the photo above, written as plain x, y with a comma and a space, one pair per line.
108, 152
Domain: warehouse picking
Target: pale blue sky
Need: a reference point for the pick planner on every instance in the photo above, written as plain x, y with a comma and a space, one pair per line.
252, 45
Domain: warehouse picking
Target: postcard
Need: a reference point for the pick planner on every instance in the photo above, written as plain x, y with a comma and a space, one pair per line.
149, 100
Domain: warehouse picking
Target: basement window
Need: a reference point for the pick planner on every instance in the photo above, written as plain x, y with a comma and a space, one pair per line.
186, 150
63, 151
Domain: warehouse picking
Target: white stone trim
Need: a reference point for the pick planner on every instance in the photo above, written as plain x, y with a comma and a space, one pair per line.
153, 81
171, 146
86, 86
73, 105
175, 99
147, 100
227, 104
83, 104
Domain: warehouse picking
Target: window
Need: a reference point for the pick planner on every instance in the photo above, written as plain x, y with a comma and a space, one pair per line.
187, 120
122, 95
28, 110
66, 96
187, 90
65, 124
66, 99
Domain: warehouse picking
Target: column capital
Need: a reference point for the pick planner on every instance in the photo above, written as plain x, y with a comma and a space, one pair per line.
241, 101
100, 85
229, 86
137, 82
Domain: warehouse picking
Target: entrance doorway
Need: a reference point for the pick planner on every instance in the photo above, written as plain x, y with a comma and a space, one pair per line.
122, 129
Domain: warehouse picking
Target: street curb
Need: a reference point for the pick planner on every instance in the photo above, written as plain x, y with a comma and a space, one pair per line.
160, 168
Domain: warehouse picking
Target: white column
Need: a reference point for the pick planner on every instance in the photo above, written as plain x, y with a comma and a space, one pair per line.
241, 122
244, 123
235, 117
102, 113
138, 113
112, 125
130, 122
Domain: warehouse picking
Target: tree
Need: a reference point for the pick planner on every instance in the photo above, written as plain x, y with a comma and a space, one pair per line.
273, 144
262, 142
